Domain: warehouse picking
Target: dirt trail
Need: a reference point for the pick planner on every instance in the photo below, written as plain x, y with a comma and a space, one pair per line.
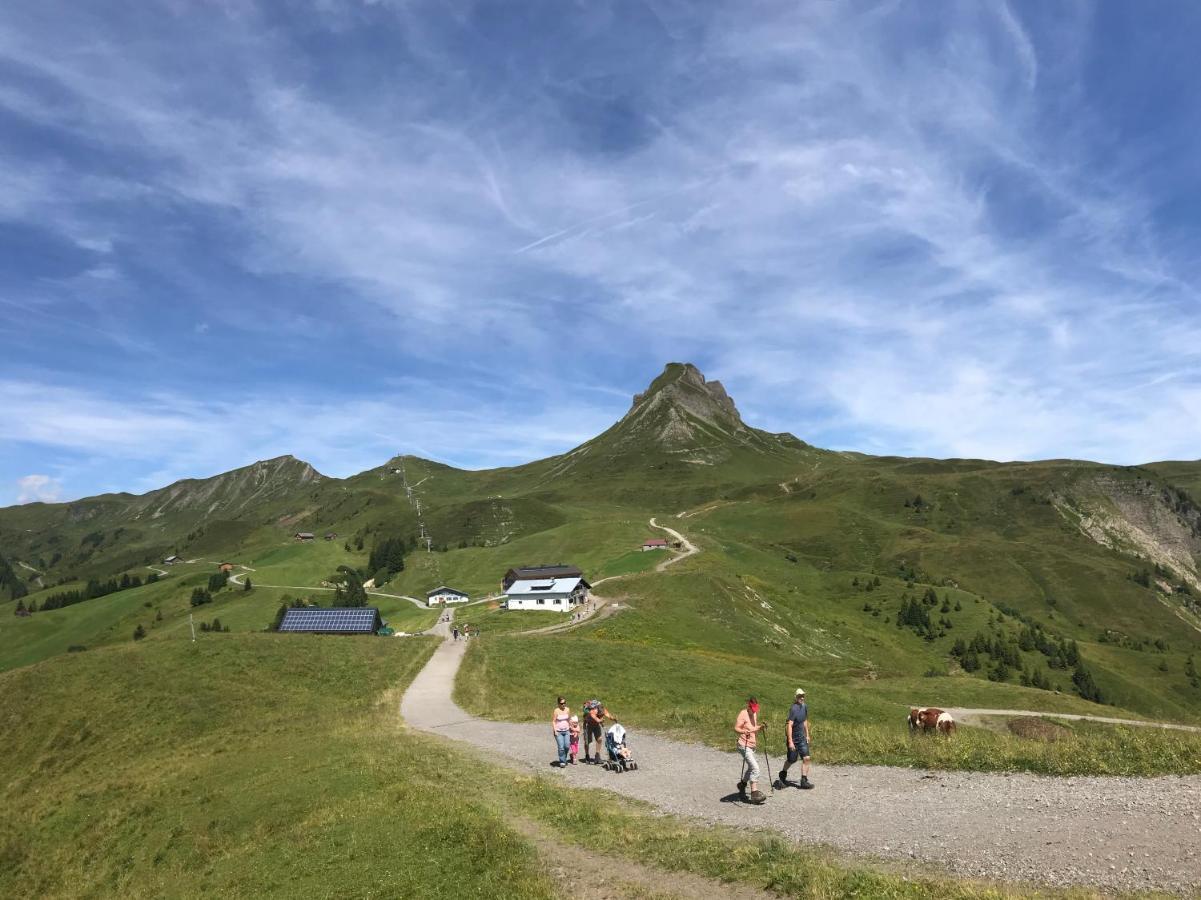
587, 875
966, 714
1114, 833
246, 570
689, 548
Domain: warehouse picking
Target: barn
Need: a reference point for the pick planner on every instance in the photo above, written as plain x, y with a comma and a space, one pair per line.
338, 620
654, 544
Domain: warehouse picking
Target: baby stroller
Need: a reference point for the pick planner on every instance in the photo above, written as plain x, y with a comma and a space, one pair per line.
620, 757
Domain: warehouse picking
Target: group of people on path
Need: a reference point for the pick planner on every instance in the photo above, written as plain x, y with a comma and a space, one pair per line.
747, 726
567, 729
465, 632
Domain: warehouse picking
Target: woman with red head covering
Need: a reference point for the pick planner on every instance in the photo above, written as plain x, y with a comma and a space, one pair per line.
747, 727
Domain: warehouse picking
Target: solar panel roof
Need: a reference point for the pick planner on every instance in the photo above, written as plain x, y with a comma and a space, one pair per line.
348, 620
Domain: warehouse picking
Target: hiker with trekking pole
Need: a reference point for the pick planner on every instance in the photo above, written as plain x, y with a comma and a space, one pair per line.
747, 726
796, 731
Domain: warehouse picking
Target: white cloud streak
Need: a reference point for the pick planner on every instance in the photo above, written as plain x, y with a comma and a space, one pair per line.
860, 222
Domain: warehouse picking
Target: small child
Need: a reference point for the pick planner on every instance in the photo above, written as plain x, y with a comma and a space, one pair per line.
573, 728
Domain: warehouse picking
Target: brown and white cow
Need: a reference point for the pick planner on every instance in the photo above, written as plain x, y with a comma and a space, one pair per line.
930, 718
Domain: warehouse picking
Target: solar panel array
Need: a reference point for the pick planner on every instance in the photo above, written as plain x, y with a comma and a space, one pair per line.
332, 621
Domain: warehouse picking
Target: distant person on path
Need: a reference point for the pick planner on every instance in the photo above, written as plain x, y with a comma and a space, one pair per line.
560, 723
574, 731
595, 714
797, 731
455, 632
747, 726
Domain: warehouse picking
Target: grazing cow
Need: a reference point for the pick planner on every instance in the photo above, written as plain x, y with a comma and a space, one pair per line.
927, 718
945, 724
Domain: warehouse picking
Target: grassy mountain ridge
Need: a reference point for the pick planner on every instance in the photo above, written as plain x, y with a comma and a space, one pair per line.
1104, 556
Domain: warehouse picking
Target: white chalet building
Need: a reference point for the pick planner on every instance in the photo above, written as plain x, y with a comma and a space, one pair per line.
444, 595
549, 594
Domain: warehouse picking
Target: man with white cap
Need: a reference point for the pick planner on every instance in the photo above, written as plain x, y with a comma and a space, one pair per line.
797, 732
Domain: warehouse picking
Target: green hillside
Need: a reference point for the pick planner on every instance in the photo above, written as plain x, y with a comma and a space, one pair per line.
879, 581
271, 766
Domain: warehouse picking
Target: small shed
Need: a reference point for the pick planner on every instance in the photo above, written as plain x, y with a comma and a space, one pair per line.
338, 620
304, 535
330, 535
444, 595
171, 560
225, 567
654, 544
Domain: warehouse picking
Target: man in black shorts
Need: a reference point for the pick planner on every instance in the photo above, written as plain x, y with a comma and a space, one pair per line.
594, 729
797, 731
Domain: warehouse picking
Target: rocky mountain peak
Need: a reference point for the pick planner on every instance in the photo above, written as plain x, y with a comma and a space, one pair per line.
683, 386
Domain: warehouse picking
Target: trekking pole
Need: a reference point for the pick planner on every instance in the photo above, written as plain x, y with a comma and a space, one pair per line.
767, 762
741, 767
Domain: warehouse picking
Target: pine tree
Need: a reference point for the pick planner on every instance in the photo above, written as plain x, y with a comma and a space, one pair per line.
20, 608
139, 633
246, 585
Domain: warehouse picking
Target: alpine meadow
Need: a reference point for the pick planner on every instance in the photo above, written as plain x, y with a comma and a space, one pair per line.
880, 583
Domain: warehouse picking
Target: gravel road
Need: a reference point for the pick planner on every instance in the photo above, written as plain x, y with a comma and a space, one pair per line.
1114, 833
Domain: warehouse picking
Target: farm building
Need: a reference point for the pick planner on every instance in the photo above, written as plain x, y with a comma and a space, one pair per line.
551, 594
559, 570
339, 620
330, 535
225, 567
444, 595
654, 544
171, 560
304, 535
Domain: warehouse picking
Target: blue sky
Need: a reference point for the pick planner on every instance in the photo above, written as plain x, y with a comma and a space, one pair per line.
230, 231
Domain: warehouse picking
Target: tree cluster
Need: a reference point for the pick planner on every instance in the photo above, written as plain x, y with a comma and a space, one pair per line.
93, 589
10, 583
214, 626
217, 581
386, 559
915, 614
350, 590
200, 597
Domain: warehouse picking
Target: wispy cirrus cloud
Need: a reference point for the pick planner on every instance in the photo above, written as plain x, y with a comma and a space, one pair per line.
855, 215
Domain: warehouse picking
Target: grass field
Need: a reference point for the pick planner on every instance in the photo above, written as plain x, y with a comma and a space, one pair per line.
248, 765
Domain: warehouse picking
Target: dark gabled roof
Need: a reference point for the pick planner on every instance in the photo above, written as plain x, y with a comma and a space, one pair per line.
444, 590
340, 620
559, 570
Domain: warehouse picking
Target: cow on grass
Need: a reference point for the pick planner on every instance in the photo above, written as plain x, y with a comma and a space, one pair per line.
930, 718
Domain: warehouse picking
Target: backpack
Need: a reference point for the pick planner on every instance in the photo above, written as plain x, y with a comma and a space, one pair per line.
589, 706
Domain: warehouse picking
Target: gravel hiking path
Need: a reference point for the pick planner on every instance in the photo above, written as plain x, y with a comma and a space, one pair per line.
1112, 833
